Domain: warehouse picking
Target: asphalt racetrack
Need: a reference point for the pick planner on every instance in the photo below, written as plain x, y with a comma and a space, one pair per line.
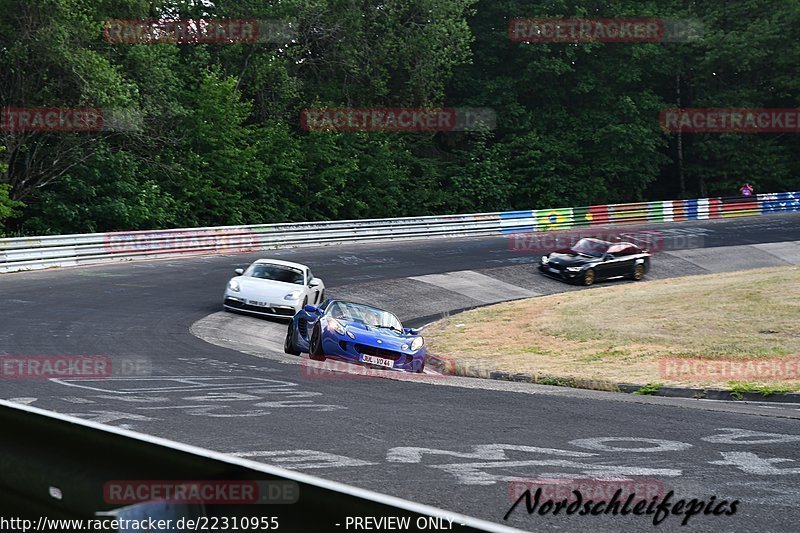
456, 443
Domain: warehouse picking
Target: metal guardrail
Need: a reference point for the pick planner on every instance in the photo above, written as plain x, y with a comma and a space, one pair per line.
26, 253
59, 467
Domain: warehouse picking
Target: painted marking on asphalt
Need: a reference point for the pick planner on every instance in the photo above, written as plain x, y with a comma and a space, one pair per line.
223, 397
516, 260
477, 286
24, 401
746, 436
301, 404
171, 384
475, 474
211, 411
76, 399
495, 464
206, 396
751, 463
599, 444
226, 366
286, 392
106, 417
304, 458
133, 399
496, 452
355, 260
160, 407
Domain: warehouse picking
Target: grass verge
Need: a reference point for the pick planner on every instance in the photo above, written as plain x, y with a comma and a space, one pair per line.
624, 333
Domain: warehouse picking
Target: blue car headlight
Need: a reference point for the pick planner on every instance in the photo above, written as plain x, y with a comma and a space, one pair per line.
334, 325
417, 344
351, 334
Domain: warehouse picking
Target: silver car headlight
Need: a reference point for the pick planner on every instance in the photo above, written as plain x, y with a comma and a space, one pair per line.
417, 344
545, 259
234, 285
575, 269
294, 295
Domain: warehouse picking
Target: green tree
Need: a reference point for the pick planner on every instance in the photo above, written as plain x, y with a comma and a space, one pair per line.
110, 192
744, 60
8, 207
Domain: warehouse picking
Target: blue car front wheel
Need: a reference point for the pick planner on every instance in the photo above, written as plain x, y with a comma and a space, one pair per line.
315, 346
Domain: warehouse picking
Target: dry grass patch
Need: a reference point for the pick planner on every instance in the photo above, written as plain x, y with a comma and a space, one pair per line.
620, 332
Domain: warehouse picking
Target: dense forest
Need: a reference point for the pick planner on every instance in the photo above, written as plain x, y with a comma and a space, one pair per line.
219, 138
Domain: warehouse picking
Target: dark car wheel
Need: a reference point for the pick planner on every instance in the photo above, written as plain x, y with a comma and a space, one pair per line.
315, 346
638, 273
589, 277
288, 344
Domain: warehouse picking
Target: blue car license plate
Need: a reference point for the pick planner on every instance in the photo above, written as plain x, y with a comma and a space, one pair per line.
380, 361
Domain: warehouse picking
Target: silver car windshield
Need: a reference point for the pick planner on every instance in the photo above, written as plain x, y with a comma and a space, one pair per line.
364, 314
276, 273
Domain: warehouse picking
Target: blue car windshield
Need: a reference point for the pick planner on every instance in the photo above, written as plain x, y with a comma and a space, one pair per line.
275, 273
364, 314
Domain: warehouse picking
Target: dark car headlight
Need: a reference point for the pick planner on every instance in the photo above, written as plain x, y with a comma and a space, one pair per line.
575, 269
545, 259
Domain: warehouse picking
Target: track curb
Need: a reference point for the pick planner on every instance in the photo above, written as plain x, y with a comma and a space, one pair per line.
456, 369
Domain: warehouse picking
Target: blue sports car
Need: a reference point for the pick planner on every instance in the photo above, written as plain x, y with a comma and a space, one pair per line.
356, 333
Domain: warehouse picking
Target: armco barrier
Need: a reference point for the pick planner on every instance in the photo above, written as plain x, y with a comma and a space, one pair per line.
59, 467
26, 253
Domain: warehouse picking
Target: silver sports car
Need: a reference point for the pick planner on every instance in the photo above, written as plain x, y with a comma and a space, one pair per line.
275, 288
